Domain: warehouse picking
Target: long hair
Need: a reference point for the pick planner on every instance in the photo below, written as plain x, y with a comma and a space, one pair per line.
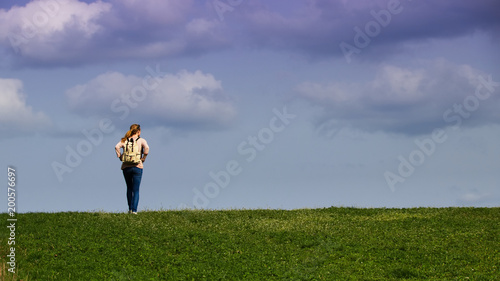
134, 128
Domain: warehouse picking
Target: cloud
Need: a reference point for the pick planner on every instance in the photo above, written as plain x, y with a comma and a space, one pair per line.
68, 32
183, 100
475, 197
16, 117
51, 30
408, 100
317, 27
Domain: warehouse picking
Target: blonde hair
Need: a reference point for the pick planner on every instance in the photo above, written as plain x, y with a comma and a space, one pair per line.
134, 128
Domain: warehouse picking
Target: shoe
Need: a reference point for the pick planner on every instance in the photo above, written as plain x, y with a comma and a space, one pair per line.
130, 211
135, 213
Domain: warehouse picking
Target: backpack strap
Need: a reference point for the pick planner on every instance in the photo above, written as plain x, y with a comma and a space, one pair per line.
132, 141
136, 141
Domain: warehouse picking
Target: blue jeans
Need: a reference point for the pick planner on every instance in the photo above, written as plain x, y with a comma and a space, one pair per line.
133, 176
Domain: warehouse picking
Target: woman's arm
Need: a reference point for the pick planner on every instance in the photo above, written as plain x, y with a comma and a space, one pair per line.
145, 150
117, 149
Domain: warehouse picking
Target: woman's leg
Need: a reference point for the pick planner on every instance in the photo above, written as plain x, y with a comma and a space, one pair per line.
136, 183
128, 175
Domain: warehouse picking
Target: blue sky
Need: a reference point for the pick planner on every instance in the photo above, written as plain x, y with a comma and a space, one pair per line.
252, 104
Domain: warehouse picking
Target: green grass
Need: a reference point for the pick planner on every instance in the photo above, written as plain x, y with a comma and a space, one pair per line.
316, 244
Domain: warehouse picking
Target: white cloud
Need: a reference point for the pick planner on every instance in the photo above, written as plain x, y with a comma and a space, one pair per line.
97, 95
41, 28
185, 99
201, 26
195, 96
475, 197
15, 115
395, 85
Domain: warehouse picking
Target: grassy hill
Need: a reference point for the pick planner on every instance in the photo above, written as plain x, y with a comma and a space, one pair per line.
316, 244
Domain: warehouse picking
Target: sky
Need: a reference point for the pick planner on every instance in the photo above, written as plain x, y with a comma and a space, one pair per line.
250, 104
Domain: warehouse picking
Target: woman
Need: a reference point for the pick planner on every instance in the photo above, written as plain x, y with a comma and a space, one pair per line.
133, 172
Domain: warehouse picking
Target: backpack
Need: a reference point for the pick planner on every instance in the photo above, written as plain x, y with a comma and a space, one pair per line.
131, 152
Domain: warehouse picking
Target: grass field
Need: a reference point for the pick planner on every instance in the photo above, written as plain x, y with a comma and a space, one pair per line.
309, 244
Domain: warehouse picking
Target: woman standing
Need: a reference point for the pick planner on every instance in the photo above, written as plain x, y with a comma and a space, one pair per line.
132, 172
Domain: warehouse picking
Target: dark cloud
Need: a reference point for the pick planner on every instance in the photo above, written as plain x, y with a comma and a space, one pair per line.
324, 25
409, 101
117, 30
71, 32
